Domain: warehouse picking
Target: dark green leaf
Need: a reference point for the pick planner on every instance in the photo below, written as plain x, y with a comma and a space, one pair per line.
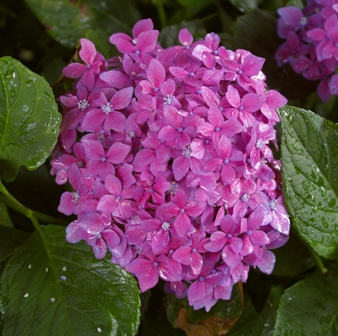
248, 316
68, 21
245, 5
101, 40
263, 325
4, 217
194, 3
50, 287
293, 258
310, 177
10, 239
29, 120
309, 308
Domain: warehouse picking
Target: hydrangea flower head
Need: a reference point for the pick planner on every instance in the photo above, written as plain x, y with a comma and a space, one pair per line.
311, 46
169, 159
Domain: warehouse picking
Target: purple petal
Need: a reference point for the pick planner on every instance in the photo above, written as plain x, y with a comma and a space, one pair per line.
268, 262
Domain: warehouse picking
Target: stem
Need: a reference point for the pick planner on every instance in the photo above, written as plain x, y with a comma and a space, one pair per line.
161, 14
34, 216
319, 261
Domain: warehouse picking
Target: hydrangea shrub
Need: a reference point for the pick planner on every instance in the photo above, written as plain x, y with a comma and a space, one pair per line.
168, 152
170, 186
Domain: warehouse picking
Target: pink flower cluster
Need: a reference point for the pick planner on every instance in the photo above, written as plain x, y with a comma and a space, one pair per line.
167, 151
311, 46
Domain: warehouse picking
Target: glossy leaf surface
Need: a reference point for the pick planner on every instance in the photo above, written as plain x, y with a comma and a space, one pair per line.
310, 176
72, 293
29, 119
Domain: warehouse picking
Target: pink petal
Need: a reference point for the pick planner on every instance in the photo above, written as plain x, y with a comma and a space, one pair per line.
185, 37
146, 273
182, 224
141, 26
122, 98
155, 73
87, 51
115, 121
113, 185
233, 96
146, 41
74, 70
209, 96
180, 167
117, 152
183, 255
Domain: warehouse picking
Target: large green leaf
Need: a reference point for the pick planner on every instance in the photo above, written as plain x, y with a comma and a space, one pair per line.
264, 323
50, 287
67, 21
10, 239
29, 120
310, 177
309, 308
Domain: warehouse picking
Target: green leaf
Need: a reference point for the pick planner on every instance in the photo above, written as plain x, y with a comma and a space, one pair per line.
309, 155
50, 287
194, 3
293, 258
263, 324
29, 120
309, 307
68, 21
4, 217
248, 316
10, 239
245, 5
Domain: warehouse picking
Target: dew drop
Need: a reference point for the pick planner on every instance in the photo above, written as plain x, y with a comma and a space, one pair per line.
63, 277
64, 268
29, 266
99, 330
52, 300
26, 295
46, 269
